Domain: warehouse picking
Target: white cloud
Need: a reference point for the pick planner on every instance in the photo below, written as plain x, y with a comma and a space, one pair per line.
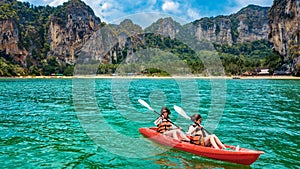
193, 14
56, 2
170, 6
111, 11
107, 10
106, 6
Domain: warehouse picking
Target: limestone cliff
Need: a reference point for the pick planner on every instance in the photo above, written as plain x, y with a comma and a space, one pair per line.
9, 37
285, 32
70, 28
113, 43
45, 40
165, 27
10, 34
31, 36
249, 24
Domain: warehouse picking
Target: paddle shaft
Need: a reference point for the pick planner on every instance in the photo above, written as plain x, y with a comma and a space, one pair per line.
168, 120
180, 111
142, 102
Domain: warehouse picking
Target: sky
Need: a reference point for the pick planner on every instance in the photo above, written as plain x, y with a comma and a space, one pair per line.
145, 12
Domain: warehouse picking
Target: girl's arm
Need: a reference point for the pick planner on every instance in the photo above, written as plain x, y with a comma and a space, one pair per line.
158, 121
174, 127
192, 129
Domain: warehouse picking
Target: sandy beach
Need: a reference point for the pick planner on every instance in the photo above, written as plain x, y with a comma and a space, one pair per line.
157, 77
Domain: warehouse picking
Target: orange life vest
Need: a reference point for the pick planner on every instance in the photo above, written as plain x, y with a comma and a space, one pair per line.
198, 138
164, 126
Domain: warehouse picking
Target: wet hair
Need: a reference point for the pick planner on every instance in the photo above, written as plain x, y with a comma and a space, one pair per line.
196, 117
165, 109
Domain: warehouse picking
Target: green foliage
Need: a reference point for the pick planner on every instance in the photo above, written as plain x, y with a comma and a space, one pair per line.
273, 62
217, 30
237, 64
297, 70
86, 69
236, 58
8, 69
207, 23
166, 47
248, 56
107, 68
7, 11
51, 66
256, 49
68, 70
33, 23
234, 31
60, 15
34, 70
155, 72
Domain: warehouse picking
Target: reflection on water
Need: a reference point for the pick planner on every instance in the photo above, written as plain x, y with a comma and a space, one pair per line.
177, 159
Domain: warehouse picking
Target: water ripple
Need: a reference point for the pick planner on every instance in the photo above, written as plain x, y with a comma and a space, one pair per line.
40, 122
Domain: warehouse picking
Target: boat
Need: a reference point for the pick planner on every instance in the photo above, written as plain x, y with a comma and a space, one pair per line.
231, 154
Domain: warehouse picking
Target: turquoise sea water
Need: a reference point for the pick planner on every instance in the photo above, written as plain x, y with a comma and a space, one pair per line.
93, 123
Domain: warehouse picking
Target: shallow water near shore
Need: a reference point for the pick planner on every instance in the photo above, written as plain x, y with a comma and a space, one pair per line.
93, 123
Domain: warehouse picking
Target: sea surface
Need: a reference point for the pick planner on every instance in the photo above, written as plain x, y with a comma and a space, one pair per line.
93, 123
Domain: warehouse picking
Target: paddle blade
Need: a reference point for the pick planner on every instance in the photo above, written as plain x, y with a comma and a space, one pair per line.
145, 104
180, 111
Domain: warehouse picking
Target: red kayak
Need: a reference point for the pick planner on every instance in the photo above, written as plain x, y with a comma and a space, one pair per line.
242, 156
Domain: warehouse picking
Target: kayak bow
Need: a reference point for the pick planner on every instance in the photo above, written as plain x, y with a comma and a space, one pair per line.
242, 156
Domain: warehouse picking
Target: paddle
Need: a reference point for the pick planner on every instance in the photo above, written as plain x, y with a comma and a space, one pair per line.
180, 111
150, 108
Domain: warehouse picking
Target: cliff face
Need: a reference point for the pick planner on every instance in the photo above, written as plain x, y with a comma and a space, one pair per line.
249, 24
253, 23
33, 36
68, 36
30, 35
214, 30
165, 27
285, 32
9, 37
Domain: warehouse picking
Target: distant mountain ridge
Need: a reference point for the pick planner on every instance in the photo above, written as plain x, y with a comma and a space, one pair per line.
249, 24
46, 40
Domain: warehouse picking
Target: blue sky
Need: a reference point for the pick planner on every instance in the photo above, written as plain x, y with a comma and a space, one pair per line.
147, 11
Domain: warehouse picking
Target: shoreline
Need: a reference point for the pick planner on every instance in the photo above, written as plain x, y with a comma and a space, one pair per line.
156, 77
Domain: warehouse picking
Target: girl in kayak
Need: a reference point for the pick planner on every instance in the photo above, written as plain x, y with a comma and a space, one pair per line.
165, 126
199, 136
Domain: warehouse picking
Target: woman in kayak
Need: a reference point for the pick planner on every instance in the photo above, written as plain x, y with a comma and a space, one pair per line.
199, 136
165, 126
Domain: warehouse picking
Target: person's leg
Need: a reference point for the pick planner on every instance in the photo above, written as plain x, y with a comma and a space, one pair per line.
219, 142
171, 133
175, 136
168, 133
210, 139
183, 136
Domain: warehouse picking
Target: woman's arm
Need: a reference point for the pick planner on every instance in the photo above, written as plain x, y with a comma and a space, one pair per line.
192, 129
158, 121
173, 126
